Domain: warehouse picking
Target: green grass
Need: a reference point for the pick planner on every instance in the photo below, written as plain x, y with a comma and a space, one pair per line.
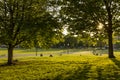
65, 67
31, 51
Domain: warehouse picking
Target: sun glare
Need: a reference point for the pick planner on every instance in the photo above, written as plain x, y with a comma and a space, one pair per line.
65, 32
100, 26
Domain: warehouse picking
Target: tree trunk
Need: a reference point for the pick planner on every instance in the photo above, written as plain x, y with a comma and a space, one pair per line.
110, 32
10, 54
109, 29
110, 49
36, 50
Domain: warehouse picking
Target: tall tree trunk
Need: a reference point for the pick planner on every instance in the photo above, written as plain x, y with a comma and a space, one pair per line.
110, 42
109, 29
110, 32
10, 54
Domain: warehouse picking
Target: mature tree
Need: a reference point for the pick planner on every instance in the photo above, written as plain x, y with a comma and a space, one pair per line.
88, 14
17, 20
21, 20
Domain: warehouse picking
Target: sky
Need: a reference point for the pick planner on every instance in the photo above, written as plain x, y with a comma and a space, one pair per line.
65, 32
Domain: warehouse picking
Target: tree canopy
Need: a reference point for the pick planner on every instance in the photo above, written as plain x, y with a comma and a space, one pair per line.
23, 21
40, 21
88, 14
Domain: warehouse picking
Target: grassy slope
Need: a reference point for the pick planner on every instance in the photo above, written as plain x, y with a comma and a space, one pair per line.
66, 67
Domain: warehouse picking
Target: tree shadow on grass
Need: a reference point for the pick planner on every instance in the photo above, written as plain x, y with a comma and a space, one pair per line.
99, 72
104, 74
110, 72
79, 74
117, 62
116, 68
5, 64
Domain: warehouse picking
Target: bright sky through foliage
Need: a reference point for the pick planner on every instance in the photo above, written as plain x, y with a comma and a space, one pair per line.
100, 26
65, 32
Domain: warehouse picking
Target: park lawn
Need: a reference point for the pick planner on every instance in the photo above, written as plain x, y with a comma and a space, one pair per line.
32, 51
18, 52
65, 67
